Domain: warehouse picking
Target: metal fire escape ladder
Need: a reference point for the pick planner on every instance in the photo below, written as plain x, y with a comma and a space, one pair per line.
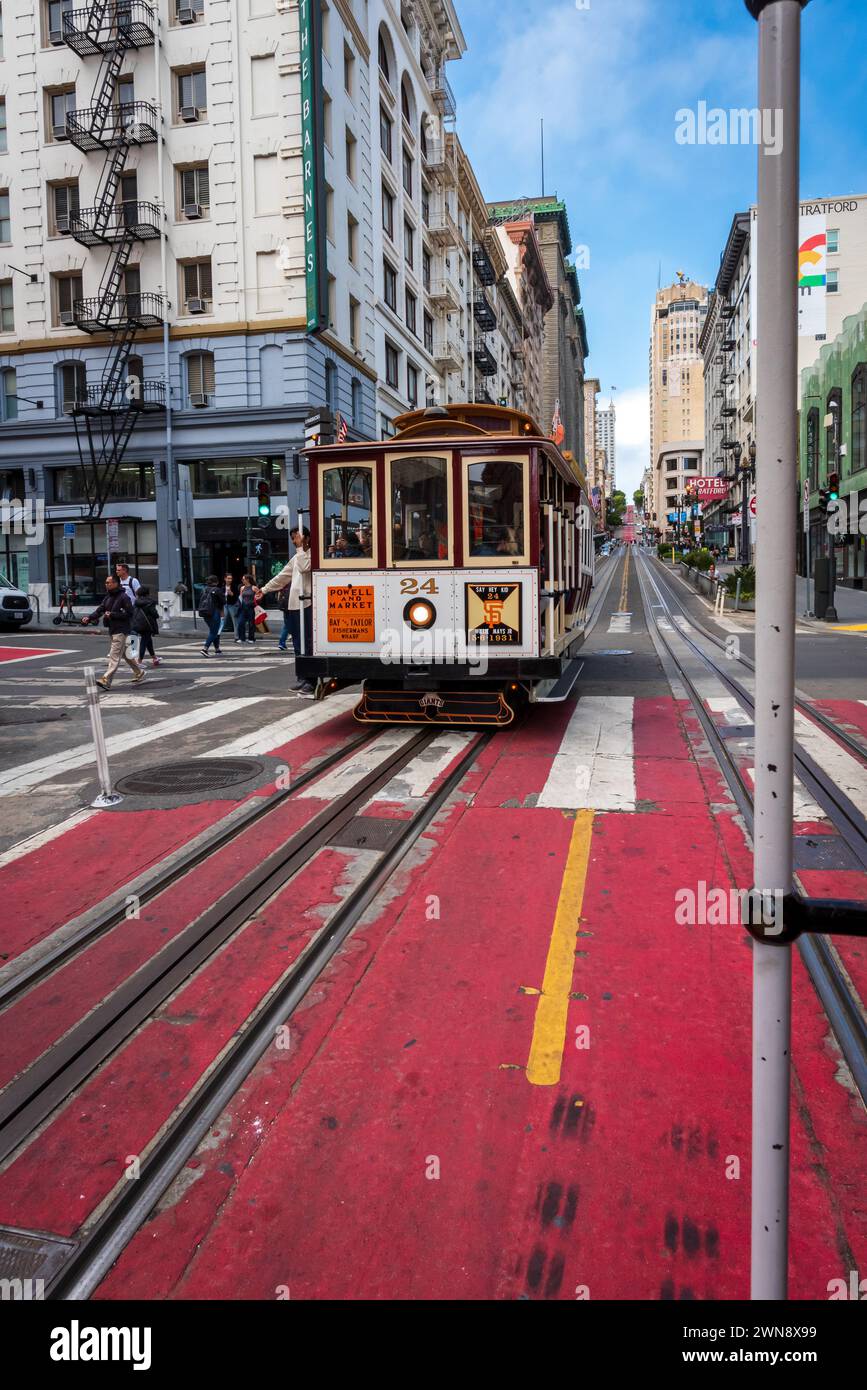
105, 419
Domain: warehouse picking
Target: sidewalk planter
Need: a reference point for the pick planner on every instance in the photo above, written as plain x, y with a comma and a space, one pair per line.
703, 584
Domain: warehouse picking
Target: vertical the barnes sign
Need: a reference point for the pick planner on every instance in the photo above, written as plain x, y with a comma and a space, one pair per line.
310, 39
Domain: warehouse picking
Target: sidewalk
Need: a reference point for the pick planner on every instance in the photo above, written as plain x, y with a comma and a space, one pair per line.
851, 604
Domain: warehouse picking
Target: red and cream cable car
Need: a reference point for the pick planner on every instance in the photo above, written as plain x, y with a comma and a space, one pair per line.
452, 566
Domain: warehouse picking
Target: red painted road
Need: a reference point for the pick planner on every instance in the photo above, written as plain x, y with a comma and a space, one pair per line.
396, 1149
28, 653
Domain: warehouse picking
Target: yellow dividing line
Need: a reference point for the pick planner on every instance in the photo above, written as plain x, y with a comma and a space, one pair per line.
850, 627
549, 1029
624, 588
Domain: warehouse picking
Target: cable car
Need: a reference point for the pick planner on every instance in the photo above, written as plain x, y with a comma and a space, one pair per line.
451, 568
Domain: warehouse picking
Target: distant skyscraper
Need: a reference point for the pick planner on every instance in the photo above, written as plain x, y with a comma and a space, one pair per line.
676, 395
606, 440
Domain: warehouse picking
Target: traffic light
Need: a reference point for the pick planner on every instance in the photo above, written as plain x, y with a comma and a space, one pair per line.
833, 487
824, 500
264, 499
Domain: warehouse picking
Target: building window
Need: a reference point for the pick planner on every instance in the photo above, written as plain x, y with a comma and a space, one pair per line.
354, 322
392, 366
386, 130
419, 509
351, 145
411, 312
389, 275
425, 205
70, 386
61, 102
5, 216
63, 206
356, 403
426, 269
7, 307
331, 386
352, 239
384, 57
67, 290
859, 418
191, 95
327, 135
348, 70
832, 284
813, 447
3, 145
197, 287
200, 378
833, 240
183, 7
407, 171
412, 384
388, 211
8, 394
428, 333
194, 192
406, 104
409, 243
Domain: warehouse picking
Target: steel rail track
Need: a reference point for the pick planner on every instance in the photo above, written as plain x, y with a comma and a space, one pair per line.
844, 1009
106, 1240
52, 1077
113, 914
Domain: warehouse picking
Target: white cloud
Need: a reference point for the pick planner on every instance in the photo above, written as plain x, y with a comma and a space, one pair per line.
633, 437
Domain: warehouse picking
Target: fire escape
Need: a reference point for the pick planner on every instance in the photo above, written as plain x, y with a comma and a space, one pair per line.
111, 408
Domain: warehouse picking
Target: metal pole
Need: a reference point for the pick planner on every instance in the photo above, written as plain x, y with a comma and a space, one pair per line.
107, 797
777, 415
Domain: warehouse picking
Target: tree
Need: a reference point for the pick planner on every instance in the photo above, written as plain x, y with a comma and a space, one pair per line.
616, 508
638, 498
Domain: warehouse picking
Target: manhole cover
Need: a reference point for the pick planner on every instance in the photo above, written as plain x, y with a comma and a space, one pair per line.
31, 716
613, 652
368, 832
198, 775
27, 1257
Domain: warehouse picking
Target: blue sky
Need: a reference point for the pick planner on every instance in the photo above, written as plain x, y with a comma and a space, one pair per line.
608, 80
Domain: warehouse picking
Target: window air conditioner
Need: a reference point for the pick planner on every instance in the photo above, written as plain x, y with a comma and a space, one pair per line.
186, 16
189, 113
59, 132
199, 399
69, 406
62, 225
55, 37
195, 306
192, 211
66, 316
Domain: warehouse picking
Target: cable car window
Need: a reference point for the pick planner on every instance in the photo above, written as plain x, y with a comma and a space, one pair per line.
420, 510
348, 515
496, 515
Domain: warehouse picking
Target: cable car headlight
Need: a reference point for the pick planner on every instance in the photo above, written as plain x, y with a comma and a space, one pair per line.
419, 614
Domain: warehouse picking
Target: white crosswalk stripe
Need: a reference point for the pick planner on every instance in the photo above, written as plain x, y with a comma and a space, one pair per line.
594, 767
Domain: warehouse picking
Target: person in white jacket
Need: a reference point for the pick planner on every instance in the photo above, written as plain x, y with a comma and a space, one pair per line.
296, 604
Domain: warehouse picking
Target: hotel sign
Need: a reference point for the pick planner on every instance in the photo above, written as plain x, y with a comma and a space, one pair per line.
309, 26
711, 489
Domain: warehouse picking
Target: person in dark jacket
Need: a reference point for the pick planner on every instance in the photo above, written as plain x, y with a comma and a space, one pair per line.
145, 624
211, 609
246, 610
116, 613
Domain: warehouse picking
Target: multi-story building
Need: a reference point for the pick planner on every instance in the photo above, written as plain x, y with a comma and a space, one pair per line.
566, 348
832, 274
532, 289
595, 455
606, 443
185, 269
676, 396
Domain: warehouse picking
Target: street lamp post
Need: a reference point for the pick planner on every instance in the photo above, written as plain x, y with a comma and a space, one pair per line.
831, 611
746, 477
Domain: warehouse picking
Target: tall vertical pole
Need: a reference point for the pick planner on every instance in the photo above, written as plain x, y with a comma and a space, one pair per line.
777, 407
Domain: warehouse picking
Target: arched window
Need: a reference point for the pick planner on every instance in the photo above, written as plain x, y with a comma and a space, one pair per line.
271, 375
384, 52
407, 105
70, 386
331, 385
859, 418
200, 379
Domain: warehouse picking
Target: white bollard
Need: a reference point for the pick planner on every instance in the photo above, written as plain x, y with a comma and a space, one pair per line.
107, 797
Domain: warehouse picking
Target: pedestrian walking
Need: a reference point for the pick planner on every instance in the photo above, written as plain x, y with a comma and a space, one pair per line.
127, 581
146, 624
230, 608
294, 580
116, 614
211, 609
246, 611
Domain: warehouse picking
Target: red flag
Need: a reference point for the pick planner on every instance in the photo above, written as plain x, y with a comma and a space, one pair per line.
343, 430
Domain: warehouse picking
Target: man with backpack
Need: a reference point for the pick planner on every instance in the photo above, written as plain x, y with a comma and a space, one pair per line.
211, 609
145, 624
116, 613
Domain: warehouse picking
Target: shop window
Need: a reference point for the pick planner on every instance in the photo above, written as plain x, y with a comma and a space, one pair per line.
348, 515
419, 510
495, 509
859, 418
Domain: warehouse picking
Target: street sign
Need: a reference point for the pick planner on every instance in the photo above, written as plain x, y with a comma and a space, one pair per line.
69, 530
113, 534
186, 511
753, 504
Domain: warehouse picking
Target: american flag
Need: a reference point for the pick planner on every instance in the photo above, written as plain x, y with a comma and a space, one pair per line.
343, 430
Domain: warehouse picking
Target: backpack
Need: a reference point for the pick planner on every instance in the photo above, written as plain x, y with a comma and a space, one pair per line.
206, 607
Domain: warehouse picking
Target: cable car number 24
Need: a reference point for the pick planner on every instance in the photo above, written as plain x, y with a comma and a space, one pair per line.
412, 586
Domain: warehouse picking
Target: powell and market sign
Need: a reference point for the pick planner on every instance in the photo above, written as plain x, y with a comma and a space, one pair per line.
310, 35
